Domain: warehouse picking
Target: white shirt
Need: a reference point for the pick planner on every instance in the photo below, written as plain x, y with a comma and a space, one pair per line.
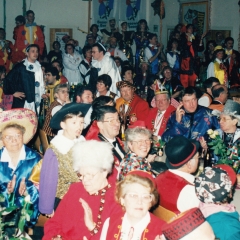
158, 122
119, 53
108, 94
204, 101
64, 144
126, 227
147, 53
187, 198
210, 69
6, 158
116, 148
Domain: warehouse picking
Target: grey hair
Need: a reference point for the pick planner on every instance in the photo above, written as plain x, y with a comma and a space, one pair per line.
131, 134
92, 154
60, 86
167, 94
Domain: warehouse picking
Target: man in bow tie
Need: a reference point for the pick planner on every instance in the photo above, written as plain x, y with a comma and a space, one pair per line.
27, 34
153, 53
232, 62
157, 118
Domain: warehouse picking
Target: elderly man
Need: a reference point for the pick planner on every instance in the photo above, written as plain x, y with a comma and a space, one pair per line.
220, 95
175, 186
190, 120
157, 118
207, 98
105, 65
130, 106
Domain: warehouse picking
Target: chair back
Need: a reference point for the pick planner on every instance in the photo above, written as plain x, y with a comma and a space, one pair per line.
164, 214
44, 140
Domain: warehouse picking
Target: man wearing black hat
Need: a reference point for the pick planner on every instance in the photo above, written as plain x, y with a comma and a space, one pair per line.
176, 185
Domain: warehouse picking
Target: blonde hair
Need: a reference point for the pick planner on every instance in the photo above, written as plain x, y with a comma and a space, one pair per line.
134, 178
13, 125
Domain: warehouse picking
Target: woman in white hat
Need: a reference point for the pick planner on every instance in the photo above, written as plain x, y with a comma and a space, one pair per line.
17, 161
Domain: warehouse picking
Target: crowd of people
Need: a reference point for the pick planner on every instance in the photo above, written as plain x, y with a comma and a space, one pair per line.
106, 142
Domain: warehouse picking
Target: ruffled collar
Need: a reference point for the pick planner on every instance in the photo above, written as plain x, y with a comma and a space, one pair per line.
32, 67
64, 144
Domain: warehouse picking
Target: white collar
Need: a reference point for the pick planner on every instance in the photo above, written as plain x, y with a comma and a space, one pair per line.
219, 61
138, 227
151, 45
187, 176
6, 158
64, 144
36, 65
110, 140
107, 94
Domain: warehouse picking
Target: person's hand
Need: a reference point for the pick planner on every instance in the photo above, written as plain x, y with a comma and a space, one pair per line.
158, 237
203, 143
44, 96
204, 35
151, 157
179, 113
22, 187
11, 184
88, 219
50, 215
20, 95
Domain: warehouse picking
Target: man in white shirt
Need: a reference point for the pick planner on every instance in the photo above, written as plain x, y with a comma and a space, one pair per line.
105, 64
176, 185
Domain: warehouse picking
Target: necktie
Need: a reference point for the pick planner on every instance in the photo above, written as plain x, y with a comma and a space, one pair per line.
130, 235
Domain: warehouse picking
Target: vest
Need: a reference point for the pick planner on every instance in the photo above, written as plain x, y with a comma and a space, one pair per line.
219, 73
154, 64
46, 128
169, 187
66, 174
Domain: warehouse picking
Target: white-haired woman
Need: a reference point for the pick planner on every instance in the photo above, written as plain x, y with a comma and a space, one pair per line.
136, 194
88, 203
138, 140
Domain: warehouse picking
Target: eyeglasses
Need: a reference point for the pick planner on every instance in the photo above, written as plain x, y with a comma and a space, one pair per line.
9, 138
140, 142
64, 91
146, 198
112, 121
223, 119
87, 176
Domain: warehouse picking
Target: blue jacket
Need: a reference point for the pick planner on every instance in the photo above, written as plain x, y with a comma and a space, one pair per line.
192, 126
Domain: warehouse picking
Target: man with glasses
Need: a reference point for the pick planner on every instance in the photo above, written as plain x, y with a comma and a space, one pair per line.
190, 119
105, 64
176, 185
220, 95
157, 118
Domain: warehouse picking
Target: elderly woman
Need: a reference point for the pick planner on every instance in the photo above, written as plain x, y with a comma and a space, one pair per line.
88, 203
137, 194
17, 161
138, 140
71, 62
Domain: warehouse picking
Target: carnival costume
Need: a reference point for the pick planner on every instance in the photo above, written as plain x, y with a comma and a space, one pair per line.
6, 49
173, 59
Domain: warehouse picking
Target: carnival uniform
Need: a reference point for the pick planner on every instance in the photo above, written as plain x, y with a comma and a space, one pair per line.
176, 191
57, 172
192, 126
25, 35
149, 52
188, 53
216, 105
174, 62
108, 66
152, 117
6, 49
68, 220
71, 67
147, 229
116, 52
218, 70
137, 108
85, 70
173, 85
22, 170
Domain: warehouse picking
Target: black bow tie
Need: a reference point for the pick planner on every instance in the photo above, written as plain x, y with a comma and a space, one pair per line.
114, 143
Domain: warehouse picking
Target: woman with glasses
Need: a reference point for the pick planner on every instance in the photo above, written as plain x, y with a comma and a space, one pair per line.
136, 194
88, 203
138, 142
17, 127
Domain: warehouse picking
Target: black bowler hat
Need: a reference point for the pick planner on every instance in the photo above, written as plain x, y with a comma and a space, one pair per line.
179, 150
66, 109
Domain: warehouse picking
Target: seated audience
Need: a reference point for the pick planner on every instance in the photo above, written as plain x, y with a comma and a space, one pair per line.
188, 226
88, 203
190, 120
207, 97
220, 95
176, 185
136, 194
56, 53
138, 143
83, 94
58, 65
85, 65
104, 83
61, 97
127, 73
71, 61
214, 188
17, 161
130, 106
157, 118
57, 169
